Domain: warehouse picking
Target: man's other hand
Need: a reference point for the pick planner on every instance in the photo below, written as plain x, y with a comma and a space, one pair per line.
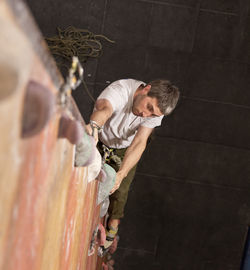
118, 180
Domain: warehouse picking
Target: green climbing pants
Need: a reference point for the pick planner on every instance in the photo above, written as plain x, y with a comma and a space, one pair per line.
119, 198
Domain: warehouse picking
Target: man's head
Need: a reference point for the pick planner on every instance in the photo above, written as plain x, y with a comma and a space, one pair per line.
158, 97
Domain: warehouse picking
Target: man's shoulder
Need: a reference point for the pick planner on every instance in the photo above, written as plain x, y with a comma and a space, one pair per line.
120, 93
128, 86
130, 83
123, 88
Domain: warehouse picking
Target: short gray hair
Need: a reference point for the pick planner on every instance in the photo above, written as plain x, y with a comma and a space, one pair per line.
166, 94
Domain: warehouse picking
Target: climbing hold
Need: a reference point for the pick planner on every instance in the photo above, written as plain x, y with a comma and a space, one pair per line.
106, 186
15, 58
9, 81
104, 207
104, 266
37, 109
91, 249
95, 165
102, 175
113, 247
101, 236
111, 262
110, 267
70, 129
85, 151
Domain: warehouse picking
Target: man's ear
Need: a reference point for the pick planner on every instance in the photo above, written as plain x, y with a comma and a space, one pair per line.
146, 89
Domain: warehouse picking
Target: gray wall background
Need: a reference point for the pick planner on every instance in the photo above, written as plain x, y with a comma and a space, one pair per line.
189, 206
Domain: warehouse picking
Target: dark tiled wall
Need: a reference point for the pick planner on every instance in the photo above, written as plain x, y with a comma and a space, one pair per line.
189, 206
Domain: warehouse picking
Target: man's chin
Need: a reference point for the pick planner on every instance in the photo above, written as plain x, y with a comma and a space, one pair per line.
134, 111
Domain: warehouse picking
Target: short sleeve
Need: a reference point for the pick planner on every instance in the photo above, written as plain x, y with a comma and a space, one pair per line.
115, 94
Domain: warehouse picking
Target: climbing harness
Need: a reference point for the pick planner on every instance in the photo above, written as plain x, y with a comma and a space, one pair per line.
91, 249
108, 155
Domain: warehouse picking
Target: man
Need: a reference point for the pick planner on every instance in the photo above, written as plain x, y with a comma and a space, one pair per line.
124, 116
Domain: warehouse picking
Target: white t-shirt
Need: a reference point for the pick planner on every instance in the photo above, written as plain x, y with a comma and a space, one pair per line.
121, 127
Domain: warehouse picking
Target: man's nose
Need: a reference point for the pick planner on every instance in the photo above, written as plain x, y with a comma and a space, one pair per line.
145, 114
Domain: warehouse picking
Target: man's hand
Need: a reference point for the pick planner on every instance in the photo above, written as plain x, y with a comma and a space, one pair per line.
118, 181
90, 131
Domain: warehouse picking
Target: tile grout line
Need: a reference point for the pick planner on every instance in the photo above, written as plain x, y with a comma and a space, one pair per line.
102, 32
241, 28
218, 12
165, 4
196, 26
189, 7
191, 48
228, 59
192, 182
104, 16
156, 249
203, 142
216, 102
134, 249
148, 39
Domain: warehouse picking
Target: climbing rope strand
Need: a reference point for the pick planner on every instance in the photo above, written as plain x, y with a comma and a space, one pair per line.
76, 42
87, 90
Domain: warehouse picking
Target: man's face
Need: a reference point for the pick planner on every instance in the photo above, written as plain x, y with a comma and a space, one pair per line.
145, 106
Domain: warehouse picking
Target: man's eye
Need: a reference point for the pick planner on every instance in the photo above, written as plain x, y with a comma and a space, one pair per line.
150, 108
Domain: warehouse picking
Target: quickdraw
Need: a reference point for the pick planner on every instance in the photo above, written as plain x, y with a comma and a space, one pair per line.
74, 79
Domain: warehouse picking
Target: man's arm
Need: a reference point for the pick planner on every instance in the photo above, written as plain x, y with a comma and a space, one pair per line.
133, 154
103, 111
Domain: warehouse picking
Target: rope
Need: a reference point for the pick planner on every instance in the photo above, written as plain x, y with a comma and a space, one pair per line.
76, 42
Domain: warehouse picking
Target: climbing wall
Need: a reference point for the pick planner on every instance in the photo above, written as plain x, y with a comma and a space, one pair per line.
48, 206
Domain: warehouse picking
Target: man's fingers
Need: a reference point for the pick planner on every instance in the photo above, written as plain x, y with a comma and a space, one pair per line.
88, 129
116, 185
92, 132
114, 188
